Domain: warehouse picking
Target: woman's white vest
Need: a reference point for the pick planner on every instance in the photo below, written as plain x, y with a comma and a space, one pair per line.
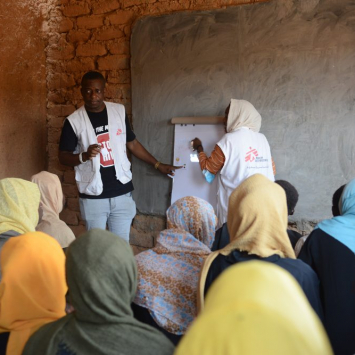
87, 175
246, 153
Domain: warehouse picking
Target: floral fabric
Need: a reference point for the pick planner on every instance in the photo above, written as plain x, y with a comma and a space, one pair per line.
168, 273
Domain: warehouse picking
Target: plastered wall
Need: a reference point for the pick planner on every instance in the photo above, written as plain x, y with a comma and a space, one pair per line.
22, 88
95, 35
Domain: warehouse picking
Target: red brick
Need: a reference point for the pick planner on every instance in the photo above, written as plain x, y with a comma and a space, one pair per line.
52, 149
141, 239
108, 33
121, 17
60, 110
69, 217
73, 204
80, 65
55, 98
78, 230
119, 77
121, 47
56, 122
78, 9
136, 250
60, 81
130, 3
126, 91
89, 22
91, 50
113, 62
65, 25
73, 94
60, 52
78, 36
127, 31
54, 135
113, 91
70, 190
69, 177
105, 6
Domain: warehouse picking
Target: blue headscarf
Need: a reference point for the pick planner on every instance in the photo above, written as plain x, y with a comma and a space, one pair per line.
342, 228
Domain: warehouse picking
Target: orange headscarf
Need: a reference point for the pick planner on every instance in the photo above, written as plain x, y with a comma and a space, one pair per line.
33, 287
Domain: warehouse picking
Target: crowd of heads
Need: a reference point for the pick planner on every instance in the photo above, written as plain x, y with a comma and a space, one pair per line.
82, 301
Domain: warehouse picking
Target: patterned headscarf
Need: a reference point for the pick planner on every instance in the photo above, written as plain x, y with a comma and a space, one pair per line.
168, 273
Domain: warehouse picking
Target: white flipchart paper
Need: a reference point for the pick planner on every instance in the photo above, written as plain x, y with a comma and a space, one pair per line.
189, 181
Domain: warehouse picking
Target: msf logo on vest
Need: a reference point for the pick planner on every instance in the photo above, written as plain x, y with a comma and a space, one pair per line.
251, 155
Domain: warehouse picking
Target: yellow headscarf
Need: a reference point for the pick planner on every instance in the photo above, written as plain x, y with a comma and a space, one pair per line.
256, 308
19, 203
33, 287
243, 114
257, 223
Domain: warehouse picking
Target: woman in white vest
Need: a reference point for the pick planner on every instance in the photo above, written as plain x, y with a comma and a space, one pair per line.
242, 152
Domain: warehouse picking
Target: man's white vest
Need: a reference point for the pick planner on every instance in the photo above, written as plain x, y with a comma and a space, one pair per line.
246, 153
87, 175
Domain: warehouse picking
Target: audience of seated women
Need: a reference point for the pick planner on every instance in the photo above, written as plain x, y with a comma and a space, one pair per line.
32, 289
168, 274
257, 223
255, 308
52, 203
330, 251
102, 279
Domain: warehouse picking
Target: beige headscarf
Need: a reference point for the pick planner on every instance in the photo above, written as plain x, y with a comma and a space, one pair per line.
51, 205
257, 223
243, 114
19, 202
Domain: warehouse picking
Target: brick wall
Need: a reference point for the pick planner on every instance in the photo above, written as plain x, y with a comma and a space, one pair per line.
95, 35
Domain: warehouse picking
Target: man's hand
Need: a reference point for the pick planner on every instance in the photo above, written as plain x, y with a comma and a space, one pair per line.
92, 151
196, 143
168, 169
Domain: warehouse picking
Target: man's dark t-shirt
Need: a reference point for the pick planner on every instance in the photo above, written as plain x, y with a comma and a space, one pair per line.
99, 120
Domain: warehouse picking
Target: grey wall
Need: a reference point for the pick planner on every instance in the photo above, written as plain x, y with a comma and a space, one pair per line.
294, 60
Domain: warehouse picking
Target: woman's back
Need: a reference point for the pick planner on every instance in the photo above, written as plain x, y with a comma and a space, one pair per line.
334, 263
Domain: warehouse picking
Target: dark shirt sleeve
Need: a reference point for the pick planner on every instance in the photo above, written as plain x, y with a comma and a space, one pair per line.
130, 136
68, 139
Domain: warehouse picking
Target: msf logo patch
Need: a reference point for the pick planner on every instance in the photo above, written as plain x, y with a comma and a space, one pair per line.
251, 155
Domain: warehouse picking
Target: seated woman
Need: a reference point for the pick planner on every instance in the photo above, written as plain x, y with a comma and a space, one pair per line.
19, 203
168, 274
330, 251
256, 308
257, 223
52, 203
33, 288
102, 278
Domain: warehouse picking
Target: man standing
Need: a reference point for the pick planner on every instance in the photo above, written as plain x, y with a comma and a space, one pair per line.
94, 140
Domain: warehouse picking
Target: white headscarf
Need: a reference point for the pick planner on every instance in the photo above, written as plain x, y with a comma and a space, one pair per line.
243, 114
52, 202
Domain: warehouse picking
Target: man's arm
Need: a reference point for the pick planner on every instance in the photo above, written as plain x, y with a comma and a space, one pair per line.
70, 159
137, 149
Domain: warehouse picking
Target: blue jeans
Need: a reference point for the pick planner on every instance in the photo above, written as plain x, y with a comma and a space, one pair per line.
116, 212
